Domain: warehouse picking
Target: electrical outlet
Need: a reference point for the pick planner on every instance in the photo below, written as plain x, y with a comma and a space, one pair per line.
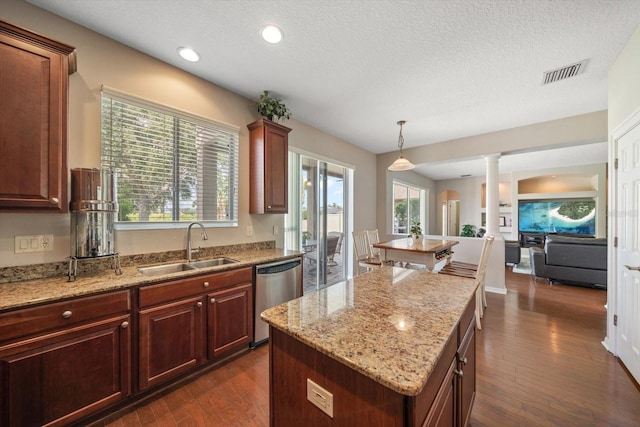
276, 230
249, 230
320, 397
33, 243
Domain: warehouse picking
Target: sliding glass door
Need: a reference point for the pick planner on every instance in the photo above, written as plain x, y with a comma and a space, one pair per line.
316, 222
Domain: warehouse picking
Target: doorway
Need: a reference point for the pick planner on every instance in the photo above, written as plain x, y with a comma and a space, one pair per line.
449, 201
623, 294
317, 221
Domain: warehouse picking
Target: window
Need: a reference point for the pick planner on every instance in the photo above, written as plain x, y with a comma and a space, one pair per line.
409, 207
171, 166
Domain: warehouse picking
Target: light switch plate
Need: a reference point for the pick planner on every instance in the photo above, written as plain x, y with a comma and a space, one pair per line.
249, 230
320, 397
33, 243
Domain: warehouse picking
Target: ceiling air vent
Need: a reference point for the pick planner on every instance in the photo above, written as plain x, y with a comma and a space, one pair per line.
564, 72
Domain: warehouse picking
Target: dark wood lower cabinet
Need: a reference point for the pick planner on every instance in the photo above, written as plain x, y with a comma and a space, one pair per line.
467, 374
170, 340
70, 361
230, 320
445, 400
63, 376
186, 323
443, 411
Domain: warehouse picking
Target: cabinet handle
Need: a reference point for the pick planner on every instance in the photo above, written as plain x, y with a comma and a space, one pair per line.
54, 200
67, 314
458, 373
268, 207
124, 325
213, 300
464, 361
205, 284
199, 304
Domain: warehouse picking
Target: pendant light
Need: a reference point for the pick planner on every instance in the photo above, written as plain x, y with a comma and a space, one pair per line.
401, 164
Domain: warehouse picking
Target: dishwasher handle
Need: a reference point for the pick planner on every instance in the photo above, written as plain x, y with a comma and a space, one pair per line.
277, 267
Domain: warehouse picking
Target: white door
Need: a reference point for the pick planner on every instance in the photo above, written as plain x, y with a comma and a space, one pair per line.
628, 264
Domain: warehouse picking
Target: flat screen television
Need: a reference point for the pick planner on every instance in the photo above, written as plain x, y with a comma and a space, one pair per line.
562, 216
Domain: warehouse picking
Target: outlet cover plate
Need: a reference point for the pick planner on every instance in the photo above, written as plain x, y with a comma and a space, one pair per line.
320, 397
33, 243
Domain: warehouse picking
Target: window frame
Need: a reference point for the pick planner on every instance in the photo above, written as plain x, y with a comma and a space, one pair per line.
193, 118
423, 205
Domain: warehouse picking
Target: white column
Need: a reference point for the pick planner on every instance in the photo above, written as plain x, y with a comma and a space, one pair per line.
493, 195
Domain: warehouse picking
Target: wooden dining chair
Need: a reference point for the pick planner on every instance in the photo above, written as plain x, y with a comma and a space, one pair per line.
477, 272
361, 250
374, 238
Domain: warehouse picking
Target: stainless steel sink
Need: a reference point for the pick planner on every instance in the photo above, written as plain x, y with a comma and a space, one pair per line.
212, 262
158, 270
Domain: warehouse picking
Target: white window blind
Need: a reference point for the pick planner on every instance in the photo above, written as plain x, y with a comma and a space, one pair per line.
170, 166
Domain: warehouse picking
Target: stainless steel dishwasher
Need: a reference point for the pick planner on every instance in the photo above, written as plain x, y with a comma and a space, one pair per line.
276, 283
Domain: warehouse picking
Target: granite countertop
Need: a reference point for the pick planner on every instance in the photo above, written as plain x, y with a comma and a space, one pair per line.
36, 291
390, 324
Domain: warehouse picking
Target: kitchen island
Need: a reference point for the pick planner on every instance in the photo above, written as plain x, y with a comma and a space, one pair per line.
386, 348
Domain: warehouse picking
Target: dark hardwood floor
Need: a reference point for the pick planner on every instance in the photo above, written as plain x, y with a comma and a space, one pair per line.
540, 363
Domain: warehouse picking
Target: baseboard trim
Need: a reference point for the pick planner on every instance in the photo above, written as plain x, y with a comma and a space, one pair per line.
501, 291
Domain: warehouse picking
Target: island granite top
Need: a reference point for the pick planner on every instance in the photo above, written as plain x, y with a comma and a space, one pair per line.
390, 324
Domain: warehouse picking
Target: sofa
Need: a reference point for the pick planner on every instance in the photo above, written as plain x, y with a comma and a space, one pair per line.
511, 252
571, 260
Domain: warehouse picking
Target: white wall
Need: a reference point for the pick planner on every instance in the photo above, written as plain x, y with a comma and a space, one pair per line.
624, 100
104, 61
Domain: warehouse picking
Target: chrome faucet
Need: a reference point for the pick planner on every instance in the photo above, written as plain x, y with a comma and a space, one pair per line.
204, 237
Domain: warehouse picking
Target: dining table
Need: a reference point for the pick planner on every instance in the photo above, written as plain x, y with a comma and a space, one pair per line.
429, 252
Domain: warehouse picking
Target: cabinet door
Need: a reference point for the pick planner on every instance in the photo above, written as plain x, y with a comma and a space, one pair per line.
467, 378
170, 340
64, 376
230, 319
33, 121
268, 160
443, 411
276, 171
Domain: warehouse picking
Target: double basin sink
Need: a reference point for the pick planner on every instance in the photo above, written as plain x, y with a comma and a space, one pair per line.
159, 270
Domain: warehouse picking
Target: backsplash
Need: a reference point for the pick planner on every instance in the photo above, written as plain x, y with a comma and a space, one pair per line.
91, 266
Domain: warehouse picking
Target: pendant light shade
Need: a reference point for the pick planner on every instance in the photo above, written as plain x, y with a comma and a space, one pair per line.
401, 164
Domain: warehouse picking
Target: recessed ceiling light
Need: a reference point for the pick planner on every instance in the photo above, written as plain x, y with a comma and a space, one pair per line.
271, 34
189, 54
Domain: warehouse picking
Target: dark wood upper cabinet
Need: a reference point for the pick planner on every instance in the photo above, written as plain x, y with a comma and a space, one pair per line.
268, 165
34, 81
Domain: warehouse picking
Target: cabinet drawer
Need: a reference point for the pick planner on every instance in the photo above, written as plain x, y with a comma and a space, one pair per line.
228, 278
178, 289
29, 321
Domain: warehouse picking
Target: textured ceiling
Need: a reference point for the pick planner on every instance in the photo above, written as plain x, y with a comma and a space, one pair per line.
353, 68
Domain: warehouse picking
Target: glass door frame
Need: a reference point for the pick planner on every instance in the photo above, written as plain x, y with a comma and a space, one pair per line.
317, 177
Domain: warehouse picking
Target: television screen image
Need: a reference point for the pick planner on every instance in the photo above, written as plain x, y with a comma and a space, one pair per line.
557, 216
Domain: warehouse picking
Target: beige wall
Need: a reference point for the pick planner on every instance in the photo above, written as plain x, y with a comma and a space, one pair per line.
576, 130
102, 61
384, 183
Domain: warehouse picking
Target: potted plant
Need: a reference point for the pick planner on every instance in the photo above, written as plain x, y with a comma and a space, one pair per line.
415, 232
272, 108
467, 231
